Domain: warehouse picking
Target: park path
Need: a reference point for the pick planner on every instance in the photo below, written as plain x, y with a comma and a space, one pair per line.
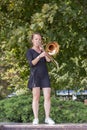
28, 126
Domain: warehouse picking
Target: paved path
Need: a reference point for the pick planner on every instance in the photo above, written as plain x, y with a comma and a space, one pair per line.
28, 126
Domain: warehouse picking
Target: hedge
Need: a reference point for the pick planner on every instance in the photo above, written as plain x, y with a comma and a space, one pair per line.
19, 109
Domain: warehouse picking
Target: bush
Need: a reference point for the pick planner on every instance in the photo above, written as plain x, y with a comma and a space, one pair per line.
19, 109
16, 109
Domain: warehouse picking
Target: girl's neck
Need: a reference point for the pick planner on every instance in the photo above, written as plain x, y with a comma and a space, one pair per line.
36, 49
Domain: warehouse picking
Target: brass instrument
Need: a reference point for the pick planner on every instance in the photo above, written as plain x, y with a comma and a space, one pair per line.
52, 49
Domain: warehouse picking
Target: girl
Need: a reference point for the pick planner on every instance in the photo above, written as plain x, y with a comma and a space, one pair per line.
39, 78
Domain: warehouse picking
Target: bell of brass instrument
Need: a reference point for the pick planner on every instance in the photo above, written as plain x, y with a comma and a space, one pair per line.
52, 49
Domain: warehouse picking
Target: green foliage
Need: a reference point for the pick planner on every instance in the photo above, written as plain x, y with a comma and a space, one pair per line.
62, 21
19, 109
16, 109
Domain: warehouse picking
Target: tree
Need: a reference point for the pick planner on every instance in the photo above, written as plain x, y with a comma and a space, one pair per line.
61, 21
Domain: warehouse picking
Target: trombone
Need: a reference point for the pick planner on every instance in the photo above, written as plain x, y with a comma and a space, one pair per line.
52, 49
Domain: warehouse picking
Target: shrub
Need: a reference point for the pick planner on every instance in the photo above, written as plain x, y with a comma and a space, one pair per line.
19, 109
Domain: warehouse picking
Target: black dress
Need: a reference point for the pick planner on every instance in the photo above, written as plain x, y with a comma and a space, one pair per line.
38, 73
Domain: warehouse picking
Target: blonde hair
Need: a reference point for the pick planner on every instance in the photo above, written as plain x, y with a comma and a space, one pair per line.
36, 33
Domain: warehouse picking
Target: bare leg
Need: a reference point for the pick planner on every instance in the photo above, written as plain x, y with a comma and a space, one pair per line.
47, 103
35, 102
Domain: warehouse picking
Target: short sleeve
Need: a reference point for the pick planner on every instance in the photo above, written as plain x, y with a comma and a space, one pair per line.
29, 57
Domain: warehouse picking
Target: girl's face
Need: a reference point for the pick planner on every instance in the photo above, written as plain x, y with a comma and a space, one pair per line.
36, 40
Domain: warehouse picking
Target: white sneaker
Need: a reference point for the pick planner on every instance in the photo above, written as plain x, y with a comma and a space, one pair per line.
35, 121
49, 121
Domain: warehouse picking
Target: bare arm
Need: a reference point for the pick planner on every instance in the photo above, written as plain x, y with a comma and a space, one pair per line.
43, 54
35, 61
46, 54
47, 58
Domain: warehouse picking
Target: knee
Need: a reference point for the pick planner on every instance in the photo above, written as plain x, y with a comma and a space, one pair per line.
47, 98
36, 98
